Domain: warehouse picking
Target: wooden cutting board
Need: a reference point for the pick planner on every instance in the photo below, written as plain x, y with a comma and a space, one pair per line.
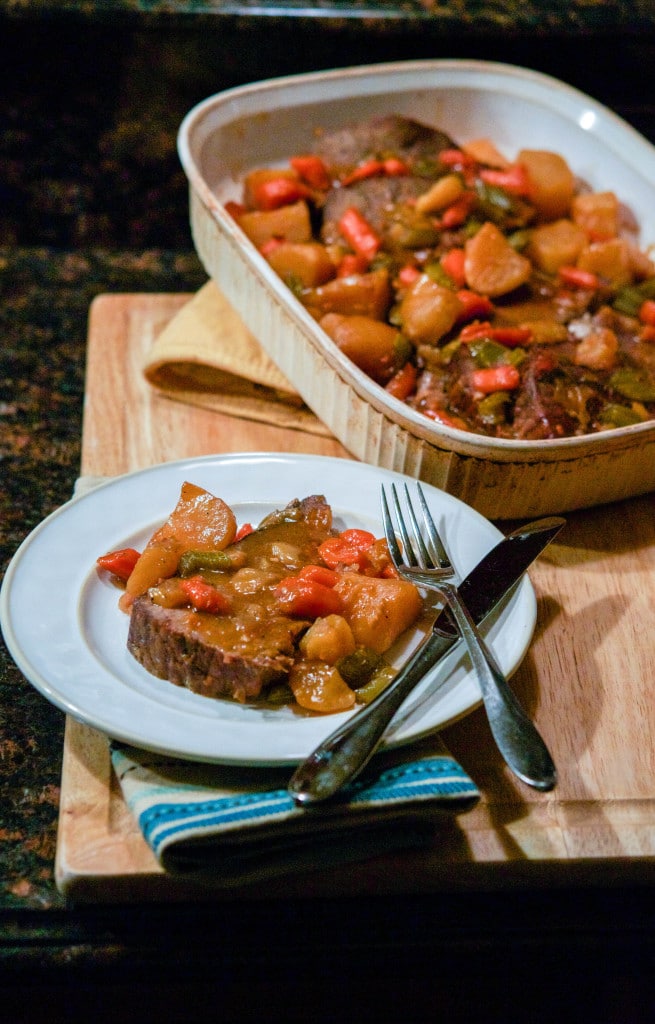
587, 680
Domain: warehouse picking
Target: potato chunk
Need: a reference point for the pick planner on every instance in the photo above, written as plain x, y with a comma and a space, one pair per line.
597, 213
486, 152
291, 223
556, 245
305, 262
444, 192
611, 260
375, 347
319, 687
428, 311
491, 266
328, 639
199, 521
553, 181
598, 350
356, 295
378, 610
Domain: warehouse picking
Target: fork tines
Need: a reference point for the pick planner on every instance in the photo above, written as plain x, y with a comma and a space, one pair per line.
424, 552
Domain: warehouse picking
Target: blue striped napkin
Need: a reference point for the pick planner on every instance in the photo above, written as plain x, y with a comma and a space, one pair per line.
231, 825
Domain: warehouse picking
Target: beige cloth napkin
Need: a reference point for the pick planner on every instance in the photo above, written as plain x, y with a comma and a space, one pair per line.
206, 356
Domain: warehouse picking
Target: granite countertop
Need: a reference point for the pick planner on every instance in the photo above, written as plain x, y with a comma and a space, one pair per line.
93, 199
543, 17
44, 301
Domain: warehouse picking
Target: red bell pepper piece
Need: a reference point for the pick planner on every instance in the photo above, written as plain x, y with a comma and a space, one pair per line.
455, 158
510, 336
319, 574
407, 275
391, 167
234, 209
270, 246
475, 330
394, 167
647, 333
574, 277
594, 235
119, 563
307, 598
358, 233
647, 312
348, 548
514, 179
403, 382
352, 263
369, 169
276, 192
455, 214
312, 170
445, 418
243, 531
203, 596
503, 377
544, 362
453, 263
473, 305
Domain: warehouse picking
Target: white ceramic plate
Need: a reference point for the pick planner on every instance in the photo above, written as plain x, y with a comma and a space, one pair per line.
62, 624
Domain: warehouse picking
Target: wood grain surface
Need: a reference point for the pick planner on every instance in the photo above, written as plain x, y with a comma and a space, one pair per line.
588, 680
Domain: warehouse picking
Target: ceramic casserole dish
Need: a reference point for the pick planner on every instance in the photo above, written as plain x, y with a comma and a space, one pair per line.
264, 123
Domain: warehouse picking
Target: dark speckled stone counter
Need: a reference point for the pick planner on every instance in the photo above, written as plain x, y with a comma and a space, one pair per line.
92, 199
482, 16
45, 295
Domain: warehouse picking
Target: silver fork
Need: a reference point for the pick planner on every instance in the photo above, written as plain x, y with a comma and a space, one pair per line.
424, 560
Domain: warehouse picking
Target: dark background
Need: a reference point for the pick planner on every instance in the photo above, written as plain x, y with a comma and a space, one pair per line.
93, 199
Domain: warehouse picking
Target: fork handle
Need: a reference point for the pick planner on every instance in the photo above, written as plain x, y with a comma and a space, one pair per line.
342, 756
516, 737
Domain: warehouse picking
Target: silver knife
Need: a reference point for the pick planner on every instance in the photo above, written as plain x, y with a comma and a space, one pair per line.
342, 756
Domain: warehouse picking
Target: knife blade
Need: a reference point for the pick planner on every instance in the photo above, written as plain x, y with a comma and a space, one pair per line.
346, 751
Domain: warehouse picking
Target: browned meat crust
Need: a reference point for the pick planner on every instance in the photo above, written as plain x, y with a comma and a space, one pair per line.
392, 134
210, 655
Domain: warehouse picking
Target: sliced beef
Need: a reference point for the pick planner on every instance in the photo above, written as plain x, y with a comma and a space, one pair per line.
313, 511
545, 404
381, 198
216, 656
376, 198
240, 654
393, 135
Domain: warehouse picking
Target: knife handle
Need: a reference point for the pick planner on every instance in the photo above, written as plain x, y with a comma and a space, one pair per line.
342, 756
516, 736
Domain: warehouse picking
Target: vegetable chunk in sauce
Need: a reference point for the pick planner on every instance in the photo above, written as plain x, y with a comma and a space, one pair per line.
491, 292
279, 613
